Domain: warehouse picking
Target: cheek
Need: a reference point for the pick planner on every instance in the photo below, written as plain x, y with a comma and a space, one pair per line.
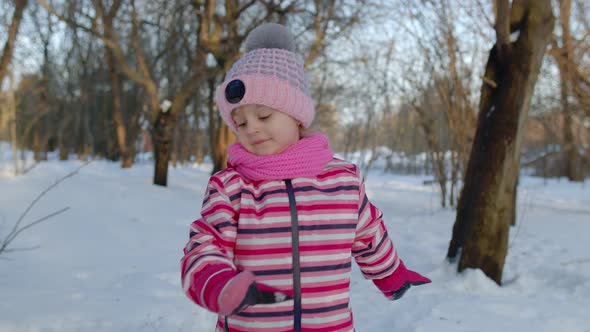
293, 134
242, 139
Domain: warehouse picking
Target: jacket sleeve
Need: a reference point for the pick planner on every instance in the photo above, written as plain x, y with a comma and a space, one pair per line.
373, 250
207, 264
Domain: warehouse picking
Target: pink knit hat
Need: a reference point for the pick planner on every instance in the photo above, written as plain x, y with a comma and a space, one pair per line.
269, 74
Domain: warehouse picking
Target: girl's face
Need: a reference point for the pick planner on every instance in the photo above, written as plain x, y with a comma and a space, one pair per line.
263, 130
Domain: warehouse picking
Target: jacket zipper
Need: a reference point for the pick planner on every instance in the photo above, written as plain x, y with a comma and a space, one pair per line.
295, 253
296, 264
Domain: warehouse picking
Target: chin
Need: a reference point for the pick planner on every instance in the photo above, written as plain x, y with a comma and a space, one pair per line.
266, 152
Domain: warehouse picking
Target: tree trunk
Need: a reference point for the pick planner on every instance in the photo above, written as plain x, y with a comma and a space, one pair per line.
486, 204
11, 106
163, 133
437, 156
120, 128
454, 177
63, 150
225, 137
572, 159
220, 135
198, 132
571, 156
88, 134
41, 130
133, 130
199, 153
513, 195
37, 142
19, 8
438, 165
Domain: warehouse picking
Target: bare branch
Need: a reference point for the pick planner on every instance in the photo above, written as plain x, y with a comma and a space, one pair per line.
17, 229
320, 25
21, 249
12, 236
69, 21
243, 8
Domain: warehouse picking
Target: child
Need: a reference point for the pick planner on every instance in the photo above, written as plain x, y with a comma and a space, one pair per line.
280, 226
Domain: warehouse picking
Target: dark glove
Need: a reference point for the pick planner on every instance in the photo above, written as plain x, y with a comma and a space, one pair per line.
242, 291
394, 286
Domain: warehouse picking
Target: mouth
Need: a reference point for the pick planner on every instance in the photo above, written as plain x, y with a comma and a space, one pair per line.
259, 142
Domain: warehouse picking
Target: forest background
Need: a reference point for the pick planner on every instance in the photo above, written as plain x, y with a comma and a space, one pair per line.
404, 83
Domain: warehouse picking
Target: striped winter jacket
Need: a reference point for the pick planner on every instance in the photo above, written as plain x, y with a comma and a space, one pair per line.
250, 226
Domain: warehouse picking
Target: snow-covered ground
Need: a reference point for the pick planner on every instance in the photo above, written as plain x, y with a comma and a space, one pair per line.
110, 262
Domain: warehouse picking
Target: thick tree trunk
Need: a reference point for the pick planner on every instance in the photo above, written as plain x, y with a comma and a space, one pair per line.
487, 202
163, 134
19, 7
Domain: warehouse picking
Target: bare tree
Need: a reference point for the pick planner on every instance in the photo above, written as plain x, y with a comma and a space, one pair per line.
436, 81
141, 70
487, 202
564, 49
44, 27
108, 16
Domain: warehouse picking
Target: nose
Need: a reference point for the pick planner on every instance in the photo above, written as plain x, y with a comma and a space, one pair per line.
252, 127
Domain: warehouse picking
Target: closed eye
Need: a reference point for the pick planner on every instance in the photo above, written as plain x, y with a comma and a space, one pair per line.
264, 117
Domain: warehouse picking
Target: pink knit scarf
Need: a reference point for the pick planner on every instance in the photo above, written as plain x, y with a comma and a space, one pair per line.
307, 157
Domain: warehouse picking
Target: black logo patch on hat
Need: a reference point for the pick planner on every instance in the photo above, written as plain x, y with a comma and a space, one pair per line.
235, 91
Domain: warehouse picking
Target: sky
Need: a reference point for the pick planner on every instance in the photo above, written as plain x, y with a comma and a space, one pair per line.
111, 261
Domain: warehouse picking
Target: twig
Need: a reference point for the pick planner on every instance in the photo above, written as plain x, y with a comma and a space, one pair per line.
28, 169
43, 194
13, 235
490, 82
16, 230
22, 249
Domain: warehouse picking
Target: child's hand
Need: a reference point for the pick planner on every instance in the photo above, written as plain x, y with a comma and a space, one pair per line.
242, 291
394, 286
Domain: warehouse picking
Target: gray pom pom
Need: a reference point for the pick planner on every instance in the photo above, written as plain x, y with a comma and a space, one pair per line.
270, 35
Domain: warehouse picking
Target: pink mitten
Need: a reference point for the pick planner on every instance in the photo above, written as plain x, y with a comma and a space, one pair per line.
242, 291
399, 282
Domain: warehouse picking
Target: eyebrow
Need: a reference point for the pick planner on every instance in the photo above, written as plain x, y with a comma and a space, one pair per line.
235, 114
